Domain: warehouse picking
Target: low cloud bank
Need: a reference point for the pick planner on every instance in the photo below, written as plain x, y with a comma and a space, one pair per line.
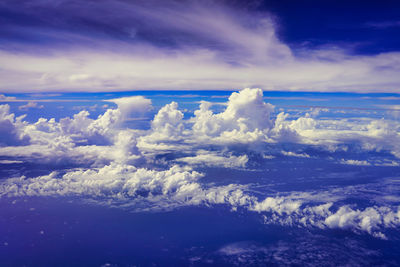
121, 166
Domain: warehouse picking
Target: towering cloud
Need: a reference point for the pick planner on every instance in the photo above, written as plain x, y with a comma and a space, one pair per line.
10, 128
135, 168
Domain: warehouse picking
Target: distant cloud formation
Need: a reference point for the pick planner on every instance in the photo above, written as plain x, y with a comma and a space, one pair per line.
29, 105
246, 119
383, 24
124, 167
143, 45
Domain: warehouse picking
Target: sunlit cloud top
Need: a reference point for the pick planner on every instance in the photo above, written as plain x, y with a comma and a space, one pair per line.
71, 45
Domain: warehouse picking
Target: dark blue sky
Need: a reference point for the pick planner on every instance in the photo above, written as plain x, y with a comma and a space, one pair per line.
366, 26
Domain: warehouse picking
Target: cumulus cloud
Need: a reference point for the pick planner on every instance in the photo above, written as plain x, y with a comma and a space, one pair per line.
125, 185
142, 189
369, 134
287, 211
208, 158
76, 139
117, 181
133, 168
11, 128
246, 119
132, 105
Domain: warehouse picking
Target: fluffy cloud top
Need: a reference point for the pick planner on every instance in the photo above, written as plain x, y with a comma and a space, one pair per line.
132, 105
246, 119
143, 189
246, 116
10, 128
130, 168
212, 159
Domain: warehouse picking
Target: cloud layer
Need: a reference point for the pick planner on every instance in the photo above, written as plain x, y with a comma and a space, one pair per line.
176, 45
165, 166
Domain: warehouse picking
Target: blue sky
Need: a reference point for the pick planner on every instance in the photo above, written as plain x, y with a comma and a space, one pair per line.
199, 132
69, 45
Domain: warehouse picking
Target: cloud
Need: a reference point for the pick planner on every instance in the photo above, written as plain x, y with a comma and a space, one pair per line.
156, 168
4, 98
11, 128
5, 161
383, 24
367, 220
302, 248
76, 139
213, 159
174, 45
29, 105
143, 189
355, 162
133, 105
111, 181
294, 154
279, 205
368, 134
245, 118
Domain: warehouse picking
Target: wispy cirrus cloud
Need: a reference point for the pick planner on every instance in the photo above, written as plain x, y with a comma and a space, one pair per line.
383, 24
29, 105
117, 45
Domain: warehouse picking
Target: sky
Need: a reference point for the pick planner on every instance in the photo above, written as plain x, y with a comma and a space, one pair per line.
200, 178
69, 45
189, 133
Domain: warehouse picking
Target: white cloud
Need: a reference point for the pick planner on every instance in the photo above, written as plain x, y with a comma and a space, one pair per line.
4, 98
196, 69
29, 105
355, 162
244, 119
230, 53
107, 154
77, 138
369, 219
294, 154
11, 128
132, 105
213, 159
279, 205
142, 189
370, 134
111, 181
5, 161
